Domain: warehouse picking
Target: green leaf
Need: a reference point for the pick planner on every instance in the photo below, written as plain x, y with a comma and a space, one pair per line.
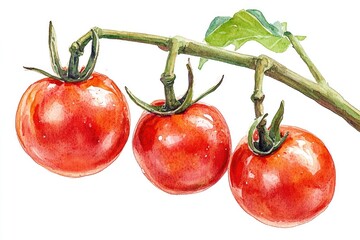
248, 25
202, 61
275, 29
215, 23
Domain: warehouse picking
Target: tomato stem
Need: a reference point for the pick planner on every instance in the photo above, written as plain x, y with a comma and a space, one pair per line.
321, 93
269, 140
168, 77
74, 75
258, 96
262, 65
73, 68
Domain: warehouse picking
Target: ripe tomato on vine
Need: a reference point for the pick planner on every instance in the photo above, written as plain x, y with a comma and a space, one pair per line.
288, 187
74, 123
183, 153
73, 129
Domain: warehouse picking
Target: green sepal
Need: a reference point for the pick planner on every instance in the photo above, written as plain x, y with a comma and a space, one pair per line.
185, 101
144, 105
90, 66
54, 54
46, 74
273, 135
275, 123
210, 90
71, 73
252, 145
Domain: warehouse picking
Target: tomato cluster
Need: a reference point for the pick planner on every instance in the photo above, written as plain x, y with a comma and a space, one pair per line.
77, 129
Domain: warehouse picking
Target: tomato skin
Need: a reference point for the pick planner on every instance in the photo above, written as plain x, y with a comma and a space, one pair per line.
73, 129
288, 187
183, 153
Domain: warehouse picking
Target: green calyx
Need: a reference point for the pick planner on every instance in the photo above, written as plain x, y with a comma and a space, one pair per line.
71, 73
172, 105
269, 139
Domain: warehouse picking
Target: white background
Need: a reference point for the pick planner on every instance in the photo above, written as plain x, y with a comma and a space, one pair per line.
120, 203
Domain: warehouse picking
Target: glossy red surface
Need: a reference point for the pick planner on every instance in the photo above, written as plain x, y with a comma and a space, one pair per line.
287, 188
183, 153
73, 129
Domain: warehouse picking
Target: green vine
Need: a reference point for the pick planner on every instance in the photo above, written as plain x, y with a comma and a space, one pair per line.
323, 94
272, 36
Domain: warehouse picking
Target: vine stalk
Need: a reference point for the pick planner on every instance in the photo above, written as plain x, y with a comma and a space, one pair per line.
168, 77
258, 97
262, 65
319, 91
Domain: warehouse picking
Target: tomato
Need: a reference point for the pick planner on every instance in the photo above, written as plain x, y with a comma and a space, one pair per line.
289, 187
73, 129
183, 153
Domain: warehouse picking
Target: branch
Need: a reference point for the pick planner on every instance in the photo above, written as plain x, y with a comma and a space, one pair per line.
322, 93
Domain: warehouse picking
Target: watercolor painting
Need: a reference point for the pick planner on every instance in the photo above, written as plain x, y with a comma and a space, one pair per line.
224, 120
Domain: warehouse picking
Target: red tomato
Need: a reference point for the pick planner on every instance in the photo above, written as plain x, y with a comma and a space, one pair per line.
183, 153
73, 129
288, 187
